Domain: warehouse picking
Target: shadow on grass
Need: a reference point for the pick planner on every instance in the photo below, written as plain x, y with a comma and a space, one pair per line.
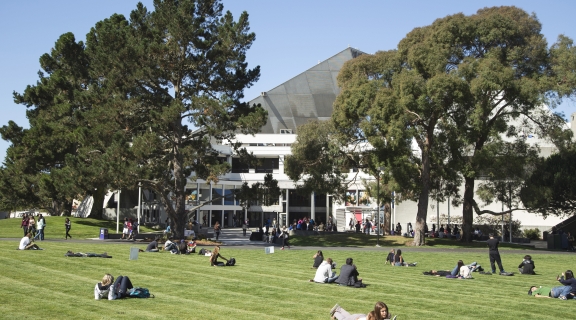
363, 240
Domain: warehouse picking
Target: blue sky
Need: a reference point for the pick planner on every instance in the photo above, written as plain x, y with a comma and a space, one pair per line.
291, 36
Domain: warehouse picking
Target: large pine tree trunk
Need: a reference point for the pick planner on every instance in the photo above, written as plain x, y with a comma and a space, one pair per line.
467, 210
97, 207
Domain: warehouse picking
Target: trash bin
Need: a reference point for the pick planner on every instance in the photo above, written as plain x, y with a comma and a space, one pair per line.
103, 233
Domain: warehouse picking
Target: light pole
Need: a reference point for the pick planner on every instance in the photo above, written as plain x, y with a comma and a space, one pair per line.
378, 208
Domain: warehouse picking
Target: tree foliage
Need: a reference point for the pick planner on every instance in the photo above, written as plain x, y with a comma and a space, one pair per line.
550, 189
141, 102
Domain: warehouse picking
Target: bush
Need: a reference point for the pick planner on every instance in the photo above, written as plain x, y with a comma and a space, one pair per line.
532, 234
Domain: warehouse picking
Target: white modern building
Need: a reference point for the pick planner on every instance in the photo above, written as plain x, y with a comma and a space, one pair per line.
308, 96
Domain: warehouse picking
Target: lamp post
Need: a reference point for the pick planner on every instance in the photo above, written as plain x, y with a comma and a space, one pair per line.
378, 208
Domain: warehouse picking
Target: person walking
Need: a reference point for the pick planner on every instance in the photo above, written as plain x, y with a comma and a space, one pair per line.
68, 225
217, 230
494, 254
284, 235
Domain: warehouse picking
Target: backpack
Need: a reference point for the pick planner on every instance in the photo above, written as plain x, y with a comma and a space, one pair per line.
138, 292
231, 262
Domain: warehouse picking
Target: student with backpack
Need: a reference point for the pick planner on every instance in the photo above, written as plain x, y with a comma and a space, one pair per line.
121, 288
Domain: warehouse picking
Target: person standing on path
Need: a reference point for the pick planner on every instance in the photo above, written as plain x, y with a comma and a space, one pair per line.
41, 223
494, 254
244, 229
68, 226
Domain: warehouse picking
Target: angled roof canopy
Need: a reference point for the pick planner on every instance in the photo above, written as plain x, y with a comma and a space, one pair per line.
308, 96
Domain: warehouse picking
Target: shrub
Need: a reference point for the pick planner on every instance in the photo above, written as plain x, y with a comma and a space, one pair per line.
532, 234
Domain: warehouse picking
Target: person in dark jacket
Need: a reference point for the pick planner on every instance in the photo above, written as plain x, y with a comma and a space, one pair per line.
567, 279
527, 265
348, 274
494, 254
318, 259
390, 257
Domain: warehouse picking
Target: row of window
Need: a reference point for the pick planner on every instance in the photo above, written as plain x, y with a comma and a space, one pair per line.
263, 165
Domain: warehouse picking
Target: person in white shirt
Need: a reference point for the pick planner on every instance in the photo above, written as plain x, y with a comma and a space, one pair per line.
324, 273
105, 288
27, 244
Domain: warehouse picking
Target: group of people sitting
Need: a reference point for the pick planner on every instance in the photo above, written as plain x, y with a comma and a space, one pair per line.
395, 258
173, 247
324, 274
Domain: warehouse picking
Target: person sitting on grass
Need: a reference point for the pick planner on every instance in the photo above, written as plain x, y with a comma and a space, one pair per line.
349, 274
27, 244
214, 258
105, 288
170, 246
380, 312
569, 282
527, 265
390, 257
318, 259
399, 260
324, 273
152, 246
182, 247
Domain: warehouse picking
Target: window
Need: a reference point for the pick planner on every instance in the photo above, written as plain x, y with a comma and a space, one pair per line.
285, 131
239, 167
267, 165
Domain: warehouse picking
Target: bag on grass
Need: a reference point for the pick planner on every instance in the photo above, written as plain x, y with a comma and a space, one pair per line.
231, 262
138, 292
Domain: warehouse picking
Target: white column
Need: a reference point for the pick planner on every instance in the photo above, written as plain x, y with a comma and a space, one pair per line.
118, 212
287, 207
327, 208
312, 207
139, 205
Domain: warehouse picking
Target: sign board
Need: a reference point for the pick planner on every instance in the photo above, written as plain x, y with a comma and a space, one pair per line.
268, 250
133, 253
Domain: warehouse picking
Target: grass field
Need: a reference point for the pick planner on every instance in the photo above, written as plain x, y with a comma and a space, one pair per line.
82, 228
45, 284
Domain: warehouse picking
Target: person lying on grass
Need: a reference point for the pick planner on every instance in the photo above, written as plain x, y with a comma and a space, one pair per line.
104, 288
27, 244
460, 269
380, 312
548, 292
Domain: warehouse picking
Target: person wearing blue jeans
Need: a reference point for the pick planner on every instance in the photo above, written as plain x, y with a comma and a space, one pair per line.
569, 282
324, 273
473, 267
41, 225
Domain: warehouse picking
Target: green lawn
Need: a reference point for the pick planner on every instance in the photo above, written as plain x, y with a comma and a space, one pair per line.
45, 284
82, 228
